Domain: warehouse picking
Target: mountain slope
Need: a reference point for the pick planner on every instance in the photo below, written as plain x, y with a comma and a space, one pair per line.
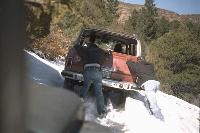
180, 116
125, 10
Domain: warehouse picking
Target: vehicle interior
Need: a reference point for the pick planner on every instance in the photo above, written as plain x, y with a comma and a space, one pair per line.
116, 42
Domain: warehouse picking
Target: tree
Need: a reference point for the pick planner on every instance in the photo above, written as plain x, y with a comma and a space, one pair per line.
38, 19
89, 13
111, 7
150, 8
146, 26
143, 22
163, 26
194, 28
175, 24
131, 23
176, 56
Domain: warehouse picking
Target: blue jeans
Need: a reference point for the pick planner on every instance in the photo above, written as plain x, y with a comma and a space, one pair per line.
93, 75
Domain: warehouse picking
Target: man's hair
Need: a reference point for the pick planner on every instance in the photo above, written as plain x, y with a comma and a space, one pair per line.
91, 36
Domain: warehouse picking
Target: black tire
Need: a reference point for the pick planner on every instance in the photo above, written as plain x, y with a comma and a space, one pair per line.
68, 84
117, 99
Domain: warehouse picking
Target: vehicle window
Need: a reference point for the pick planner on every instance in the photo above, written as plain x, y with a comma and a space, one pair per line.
104, 44
116, 46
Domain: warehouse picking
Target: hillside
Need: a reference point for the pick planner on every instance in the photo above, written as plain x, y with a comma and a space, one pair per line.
193, 17
51, 28
180, 116
125, 10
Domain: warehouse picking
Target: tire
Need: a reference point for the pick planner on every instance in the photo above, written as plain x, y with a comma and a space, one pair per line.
68, 84
117, 99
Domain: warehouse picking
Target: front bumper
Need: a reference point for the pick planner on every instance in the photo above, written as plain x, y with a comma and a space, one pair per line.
119, 85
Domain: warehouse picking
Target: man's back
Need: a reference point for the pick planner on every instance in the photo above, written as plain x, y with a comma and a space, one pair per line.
93, 54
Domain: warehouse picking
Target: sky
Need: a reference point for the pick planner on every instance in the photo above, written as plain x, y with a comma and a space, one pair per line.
178, 6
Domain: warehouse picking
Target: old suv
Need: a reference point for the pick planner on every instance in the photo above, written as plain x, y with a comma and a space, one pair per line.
116, 75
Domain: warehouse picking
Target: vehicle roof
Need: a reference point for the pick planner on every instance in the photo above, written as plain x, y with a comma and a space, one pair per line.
106, 34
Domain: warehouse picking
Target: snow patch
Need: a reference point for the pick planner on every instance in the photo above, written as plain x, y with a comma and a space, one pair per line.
59, 65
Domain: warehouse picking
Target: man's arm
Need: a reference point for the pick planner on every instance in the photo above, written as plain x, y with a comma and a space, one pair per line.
78, 44
104, 55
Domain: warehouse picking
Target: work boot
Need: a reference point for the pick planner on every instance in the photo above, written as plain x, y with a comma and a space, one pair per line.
102, 114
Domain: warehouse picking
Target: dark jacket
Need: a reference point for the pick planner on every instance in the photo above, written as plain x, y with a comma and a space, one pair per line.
91, 53
143, 70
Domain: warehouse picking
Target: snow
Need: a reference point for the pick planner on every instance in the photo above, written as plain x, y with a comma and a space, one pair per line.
43, 71
180, 116
57, 66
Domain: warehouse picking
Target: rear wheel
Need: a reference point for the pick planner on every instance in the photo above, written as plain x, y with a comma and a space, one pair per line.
117, 98
68, 84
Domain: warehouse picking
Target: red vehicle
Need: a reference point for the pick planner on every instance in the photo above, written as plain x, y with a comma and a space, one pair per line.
115, 71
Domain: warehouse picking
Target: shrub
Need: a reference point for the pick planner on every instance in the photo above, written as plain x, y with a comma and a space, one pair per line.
88, 13
54, 45
176, 56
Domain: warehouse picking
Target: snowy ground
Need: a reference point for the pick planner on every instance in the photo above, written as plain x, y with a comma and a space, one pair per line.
180, 116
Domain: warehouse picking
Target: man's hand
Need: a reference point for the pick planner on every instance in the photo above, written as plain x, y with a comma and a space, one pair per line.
110, 52
107, 53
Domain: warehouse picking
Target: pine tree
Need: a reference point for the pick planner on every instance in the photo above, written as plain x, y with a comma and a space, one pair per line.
143, 22
87, 13
163, 26
146, 25
131, 23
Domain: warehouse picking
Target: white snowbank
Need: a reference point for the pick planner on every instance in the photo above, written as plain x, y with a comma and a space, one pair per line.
180, 116
52, 64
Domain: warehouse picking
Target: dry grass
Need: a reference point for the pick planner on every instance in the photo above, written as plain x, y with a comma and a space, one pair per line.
53, 46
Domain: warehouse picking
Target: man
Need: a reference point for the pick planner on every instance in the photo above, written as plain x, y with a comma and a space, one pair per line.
92, 57
146, 80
